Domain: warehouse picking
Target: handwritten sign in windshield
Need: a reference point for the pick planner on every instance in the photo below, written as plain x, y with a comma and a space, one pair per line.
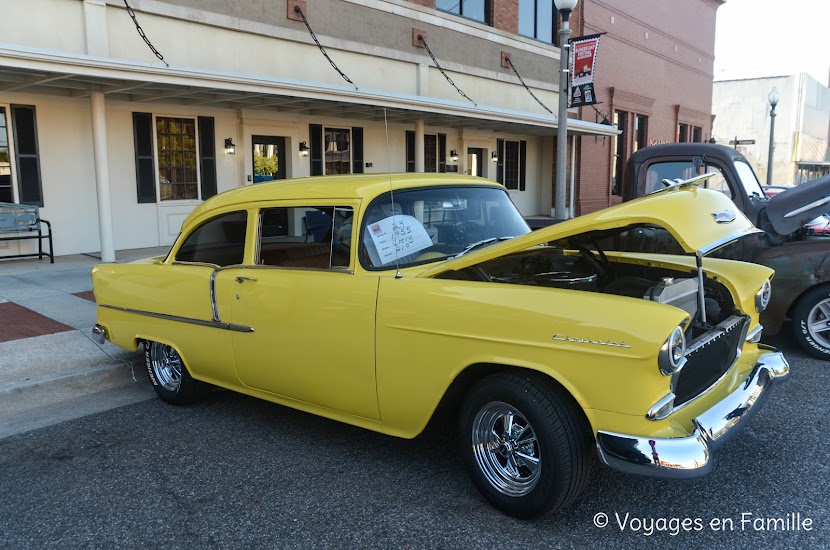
397, 236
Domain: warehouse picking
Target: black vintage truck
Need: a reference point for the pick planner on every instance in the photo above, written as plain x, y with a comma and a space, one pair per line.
801, 286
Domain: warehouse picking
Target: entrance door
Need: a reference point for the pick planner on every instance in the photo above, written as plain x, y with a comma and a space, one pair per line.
475, 155
268, 158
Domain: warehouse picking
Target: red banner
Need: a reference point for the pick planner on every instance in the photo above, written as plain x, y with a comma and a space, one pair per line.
583, 62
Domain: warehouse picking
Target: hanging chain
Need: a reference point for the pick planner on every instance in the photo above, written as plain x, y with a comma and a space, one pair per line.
465, 96
299, 12
144, 36
525, 85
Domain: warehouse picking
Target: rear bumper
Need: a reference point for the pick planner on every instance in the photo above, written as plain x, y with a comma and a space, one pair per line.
690, 457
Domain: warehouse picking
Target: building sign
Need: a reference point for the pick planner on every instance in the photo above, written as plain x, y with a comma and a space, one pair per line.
583, 61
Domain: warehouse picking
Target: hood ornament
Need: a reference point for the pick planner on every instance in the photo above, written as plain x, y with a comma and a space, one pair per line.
724, 216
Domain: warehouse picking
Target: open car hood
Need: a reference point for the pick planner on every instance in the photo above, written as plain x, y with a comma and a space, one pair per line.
789, 210
701, 220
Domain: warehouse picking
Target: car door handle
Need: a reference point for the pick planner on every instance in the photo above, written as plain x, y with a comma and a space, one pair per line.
243, 279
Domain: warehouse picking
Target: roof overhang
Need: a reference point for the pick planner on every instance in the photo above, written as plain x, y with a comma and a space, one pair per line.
73, 75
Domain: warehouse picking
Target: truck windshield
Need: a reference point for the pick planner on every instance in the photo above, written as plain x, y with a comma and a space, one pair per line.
748, 180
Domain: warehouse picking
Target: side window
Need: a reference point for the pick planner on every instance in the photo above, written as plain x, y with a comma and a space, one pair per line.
306, 237
717, 182
219, 241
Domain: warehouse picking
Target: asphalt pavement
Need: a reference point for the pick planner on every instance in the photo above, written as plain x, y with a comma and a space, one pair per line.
236, 472
50, 368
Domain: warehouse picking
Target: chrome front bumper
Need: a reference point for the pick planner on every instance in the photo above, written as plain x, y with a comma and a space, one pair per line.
690, 457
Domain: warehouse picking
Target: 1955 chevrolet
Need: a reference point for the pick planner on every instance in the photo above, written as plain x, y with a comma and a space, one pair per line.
373, 299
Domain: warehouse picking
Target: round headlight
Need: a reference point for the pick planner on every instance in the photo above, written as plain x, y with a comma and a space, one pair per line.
762, 296
672, 354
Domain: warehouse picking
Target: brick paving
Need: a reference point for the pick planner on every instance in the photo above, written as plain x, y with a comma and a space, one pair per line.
86, 295
18, 322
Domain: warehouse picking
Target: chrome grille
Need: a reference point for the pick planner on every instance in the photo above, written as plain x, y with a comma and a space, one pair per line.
709, 357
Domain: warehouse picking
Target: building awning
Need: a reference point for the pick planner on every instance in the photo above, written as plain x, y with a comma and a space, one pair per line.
58, 73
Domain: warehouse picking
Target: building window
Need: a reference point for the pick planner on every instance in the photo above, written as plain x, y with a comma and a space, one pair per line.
6, 187
537, 19
511, 163
477, 10
683, 133
697, 134
618, 146
27, 156
435, 152
176, 148
338, 151
640, 132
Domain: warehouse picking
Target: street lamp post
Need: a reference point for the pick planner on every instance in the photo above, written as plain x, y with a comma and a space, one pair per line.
565, 8
773, 101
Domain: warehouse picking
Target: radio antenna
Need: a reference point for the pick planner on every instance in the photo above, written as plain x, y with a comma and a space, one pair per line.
398, 274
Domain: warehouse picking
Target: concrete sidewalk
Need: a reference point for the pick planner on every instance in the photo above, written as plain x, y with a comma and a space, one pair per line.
50, 368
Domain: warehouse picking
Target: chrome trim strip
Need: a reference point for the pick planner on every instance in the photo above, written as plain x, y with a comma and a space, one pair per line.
657, 412
176, 318
810, 206
691, 456
213, 304
755, 336
714, 334
720, 242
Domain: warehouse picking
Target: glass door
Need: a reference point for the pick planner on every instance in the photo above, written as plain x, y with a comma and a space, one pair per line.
269, 159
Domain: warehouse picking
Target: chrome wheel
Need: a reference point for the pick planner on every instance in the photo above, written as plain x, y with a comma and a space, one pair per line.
506, 449
818, 322
166, 366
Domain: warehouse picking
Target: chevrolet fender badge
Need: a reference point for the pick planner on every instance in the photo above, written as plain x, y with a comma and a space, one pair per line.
564, 338
724, 216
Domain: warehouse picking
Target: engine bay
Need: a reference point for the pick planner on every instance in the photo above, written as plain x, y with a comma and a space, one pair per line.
591, 270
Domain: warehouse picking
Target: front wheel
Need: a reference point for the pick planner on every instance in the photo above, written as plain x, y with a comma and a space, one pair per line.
169, 375
525, 444
811, 322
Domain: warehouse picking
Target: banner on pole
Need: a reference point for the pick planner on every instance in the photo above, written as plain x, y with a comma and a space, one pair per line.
583, 60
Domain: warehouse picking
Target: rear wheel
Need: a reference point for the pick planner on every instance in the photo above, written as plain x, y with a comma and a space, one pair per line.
169, 375
811, 322
525, 444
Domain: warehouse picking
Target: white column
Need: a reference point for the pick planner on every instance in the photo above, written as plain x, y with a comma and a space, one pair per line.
419, 145
102, 175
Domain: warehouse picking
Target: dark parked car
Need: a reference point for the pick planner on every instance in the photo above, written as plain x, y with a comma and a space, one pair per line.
801, 287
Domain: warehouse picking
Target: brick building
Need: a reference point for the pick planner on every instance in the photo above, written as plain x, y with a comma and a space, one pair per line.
653, 78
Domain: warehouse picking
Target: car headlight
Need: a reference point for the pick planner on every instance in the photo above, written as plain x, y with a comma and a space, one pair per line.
672, 354
762, 296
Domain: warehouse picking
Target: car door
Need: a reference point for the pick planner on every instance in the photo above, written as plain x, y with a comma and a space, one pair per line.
312, 316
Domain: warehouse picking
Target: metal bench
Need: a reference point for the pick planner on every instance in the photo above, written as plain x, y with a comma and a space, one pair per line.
20, 222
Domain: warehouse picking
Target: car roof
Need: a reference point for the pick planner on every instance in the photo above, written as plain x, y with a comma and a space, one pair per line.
343, 187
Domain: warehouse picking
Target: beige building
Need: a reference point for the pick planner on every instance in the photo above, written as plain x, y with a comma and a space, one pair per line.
802, 125
118, 145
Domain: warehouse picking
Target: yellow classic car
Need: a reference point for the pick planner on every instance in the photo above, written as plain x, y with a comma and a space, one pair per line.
373, 299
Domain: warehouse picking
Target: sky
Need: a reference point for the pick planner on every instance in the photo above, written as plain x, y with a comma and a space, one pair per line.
754, 38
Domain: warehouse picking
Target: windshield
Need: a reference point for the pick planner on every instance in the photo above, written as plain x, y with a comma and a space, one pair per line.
748, 180
431, 224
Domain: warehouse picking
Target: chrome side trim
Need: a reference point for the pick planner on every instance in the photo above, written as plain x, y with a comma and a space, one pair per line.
691, 456
755, 336
214, 306
726, 240
189, 320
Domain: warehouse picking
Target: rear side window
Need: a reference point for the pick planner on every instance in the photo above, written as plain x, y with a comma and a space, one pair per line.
219, 241
306, 237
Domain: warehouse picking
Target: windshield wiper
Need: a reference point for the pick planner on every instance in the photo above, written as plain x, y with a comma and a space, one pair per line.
475, 245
